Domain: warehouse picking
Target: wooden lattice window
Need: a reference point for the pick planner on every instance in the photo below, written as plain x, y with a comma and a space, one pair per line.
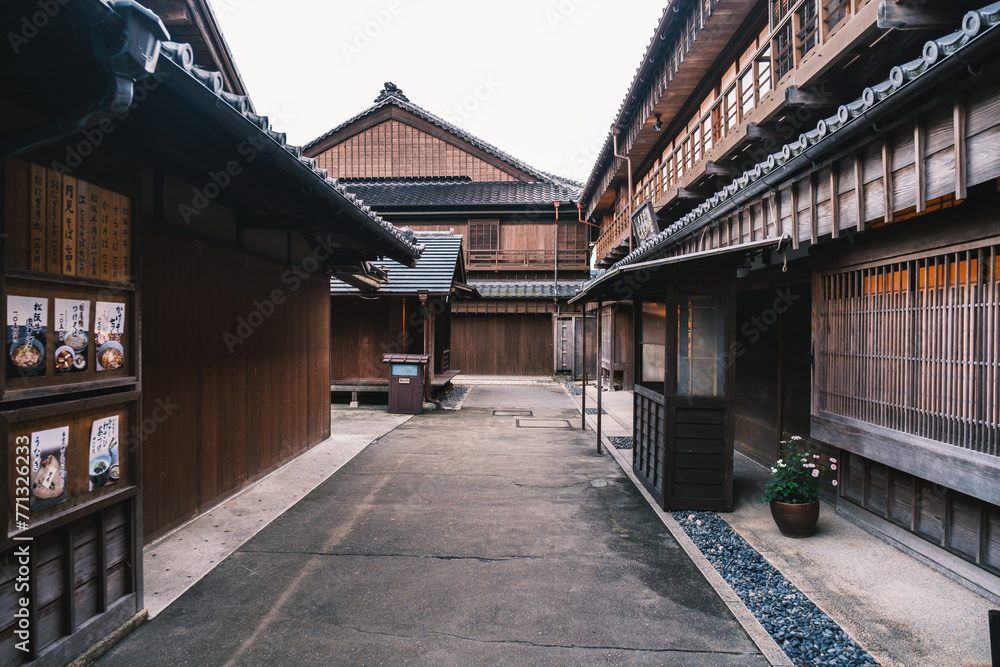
484, 235
914, 346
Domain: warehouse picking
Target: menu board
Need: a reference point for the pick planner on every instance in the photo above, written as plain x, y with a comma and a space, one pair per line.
77, 228
103, 466
109, 321
27, 327
48, 467
70, 320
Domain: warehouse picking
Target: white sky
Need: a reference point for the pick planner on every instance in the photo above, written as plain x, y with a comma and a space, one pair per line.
539, 79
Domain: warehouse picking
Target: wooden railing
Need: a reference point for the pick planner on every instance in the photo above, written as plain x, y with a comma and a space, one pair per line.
519, 259
800, 28
613, 235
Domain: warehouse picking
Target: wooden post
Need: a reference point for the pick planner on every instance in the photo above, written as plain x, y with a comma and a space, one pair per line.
600, 305
583, 404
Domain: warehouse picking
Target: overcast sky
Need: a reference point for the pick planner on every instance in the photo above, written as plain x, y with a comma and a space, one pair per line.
539, 79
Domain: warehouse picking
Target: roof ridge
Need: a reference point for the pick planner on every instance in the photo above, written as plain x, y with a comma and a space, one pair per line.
392, 94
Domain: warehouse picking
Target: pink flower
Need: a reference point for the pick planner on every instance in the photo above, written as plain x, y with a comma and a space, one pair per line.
833, 460
833, 466
815, 456
815, 473
834, 482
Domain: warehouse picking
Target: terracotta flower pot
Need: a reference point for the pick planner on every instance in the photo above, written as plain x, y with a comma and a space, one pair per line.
795, 519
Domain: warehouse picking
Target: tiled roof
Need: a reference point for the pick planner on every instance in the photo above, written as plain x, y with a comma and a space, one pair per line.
182, 55
392, 95
434, 273
458, 191
977, 26
527, 290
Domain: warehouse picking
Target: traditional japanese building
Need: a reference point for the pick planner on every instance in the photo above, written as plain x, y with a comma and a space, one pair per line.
525, 248
409, 313
166, 276
803, 214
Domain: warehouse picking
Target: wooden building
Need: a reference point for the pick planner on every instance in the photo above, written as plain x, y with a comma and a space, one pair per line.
165, 276
409, 313
823, 260
521, 227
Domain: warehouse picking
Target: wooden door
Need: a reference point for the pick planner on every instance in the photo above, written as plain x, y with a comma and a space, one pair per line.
698, 425
565, 342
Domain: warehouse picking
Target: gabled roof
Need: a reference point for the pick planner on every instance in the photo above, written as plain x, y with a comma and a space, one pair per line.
385, 193
391, 95
439, 267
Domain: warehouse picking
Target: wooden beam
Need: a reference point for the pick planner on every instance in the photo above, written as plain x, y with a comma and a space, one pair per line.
917, 15
859, 189
887, 179
813, 208
919, 166
834, 201
694, 193
797, 97
961, 156
722, 169
795, 215
757, 132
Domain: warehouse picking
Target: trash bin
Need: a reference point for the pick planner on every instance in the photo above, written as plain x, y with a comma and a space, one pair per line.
406, 382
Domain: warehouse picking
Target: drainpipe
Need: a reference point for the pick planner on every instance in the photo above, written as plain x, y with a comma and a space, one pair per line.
994, 615
127, 44
628, 160
556, 274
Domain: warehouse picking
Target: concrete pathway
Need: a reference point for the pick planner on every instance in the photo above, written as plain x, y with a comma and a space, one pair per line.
461, 537
900, 610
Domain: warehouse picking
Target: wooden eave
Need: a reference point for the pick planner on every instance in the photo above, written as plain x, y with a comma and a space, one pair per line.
721, 27
392, 112
194, 22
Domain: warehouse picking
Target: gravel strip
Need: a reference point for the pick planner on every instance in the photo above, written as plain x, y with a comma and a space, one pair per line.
621, 441
806, 634
453, 396
573, 388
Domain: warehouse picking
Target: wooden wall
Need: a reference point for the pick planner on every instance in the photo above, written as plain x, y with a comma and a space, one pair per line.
221, 411
363, 330
393, 148
502, 344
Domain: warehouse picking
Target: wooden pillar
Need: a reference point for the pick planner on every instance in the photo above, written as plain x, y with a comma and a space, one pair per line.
600, 305
583, 405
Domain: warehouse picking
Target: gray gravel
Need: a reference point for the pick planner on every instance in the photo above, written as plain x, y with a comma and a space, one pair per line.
806, 635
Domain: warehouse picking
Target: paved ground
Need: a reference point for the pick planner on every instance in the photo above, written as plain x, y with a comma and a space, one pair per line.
458, 538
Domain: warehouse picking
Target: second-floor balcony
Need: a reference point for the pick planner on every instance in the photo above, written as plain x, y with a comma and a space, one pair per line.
519, 260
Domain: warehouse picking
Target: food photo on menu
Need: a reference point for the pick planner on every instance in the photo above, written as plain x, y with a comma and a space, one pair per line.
71, 320
48, 467
104, 466
27, 326
109, 323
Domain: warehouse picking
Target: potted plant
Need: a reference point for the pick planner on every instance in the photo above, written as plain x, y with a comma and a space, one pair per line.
793, 492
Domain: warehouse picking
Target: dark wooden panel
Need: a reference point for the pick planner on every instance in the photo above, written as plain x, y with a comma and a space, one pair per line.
234, 345
502, 344
963, 525
930, 519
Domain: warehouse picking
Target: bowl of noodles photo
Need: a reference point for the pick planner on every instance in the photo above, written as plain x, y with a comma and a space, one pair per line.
111, 355
27, 354
76, 340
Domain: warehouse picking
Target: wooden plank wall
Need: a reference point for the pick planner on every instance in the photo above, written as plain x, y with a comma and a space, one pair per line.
362, 331
905, 171
965, 526
236, 413
502, 344
393, 148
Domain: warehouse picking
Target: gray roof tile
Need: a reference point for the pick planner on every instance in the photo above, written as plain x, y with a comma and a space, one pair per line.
458, 191
434, 273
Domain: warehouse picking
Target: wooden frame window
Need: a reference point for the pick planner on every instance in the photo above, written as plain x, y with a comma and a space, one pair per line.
484, 235
912, 346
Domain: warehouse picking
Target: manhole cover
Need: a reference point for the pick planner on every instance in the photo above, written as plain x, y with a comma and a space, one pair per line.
512, 413
543, 423
599, 483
